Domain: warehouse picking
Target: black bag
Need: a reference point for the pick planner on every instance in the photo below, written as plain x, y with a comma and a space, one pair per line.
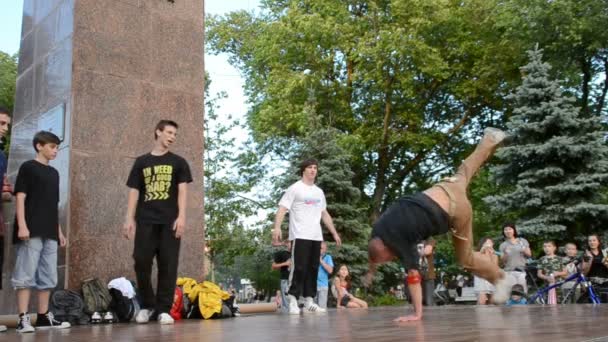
96, 296
124, 308
193, 311
68, 306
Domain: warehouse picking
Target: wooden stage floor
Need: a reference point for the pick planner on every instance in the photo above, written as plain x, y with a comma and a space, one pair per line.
452, 323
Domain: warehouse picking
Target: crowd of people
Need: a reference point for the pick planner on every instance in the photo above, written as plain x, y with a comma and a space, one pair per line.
551, 268
155, 220
405, 231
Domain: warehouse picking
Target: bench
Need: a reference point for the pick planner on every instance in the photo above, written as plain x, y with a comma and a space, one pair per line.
468, 296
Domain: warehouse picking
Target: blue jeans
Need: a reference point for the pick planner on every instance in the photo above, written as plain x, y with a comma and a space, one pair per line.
36, 264
284, 289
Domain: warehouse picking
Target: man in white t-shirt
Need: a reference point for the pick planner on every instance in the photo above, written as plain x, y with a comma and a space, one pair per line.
306, 205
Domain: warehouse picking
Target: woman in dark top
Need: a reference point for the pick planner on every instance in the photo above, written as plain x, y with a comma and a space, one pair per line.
594, 266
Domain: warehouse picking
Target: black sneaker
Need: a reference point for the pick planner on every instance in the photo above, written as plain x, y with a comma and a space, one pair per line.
24, 325
48, 321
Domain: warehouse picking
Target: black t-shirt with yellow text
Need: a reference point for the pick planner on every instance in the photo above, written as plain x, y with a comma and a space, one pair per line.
157, 178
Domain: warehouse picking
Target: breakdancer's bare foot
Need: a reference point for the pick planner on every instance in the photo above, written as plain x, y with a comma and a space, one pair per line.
408, 318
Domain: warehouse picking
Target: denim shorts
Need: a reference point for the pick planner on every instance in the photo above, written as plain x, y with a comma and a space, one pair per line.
36, 264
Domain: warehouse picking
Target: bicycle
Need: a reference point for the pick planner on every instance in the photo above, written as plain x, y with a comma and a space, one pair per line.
540, 297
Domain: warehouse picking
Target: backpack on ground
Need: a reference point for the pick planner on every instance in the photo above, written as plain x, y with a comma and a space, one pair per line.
68, 306
96, 296
124, 307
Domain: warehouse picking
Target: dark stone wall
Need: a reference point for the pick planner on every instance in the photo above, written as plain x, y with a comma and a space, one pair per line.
114, 67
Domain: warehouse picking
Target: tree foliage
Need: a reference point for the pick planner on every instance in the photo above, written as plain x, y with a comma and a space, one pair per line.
409, 82
557, 162
407, 85
227, 181
8, 79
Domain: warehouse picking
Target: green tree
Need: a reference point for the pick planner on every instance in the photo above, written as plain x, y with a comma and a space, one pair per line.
569, 31
8, 79
408, 82
557, 162
227, 182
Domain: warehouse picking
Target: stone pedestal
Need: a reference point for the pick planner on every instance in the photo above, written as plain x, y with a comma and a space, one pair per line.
100, 74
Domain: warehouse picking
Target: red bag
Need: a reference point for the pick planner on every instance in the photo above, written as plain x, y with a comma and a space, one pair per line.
178, 304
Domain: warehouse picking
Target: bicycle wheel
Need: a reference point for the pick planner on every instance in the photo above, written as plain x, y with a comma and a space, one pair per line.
570, 296
540, 297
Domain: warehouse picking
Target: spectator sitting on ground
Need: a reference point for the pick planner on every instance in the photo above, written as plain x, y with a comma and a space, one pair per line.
518, 296
344, 298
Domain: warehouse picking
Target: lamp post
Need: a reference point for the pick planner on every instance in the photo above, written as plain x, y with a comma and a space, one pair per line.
211, 266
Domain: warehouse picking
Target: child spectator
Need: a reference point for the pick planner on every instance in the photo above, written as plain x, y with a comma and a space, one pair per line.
518, 296
344, 298
550, 268
282, 262
326, 268
37, 233
570, 262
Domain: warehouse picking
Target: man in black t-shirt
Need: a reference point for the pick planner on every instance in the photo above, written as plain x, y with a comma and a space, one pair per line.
37, 233
156, 214
282, 261
442, 208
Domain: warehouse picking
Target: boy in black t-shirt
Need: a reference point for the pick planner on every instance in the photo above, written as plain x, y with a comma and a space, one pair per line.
282, 262
37, 233
156, 214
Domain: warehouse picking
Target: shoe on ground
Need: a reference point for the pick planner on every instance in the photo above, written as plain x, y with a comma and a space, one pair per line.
96, 318
143, 316
503, 290
3, 328
165, 318
294, 308
108, 317
24, 325
311, 307
48, 321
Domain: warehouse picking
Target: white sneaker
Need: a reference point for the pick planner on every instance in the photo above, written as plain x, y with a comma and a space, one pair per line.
143, 316
294, 309
48, 321
24, 325
165, 318
495, 134
311, 307
2, 328
96, 318
503, 290
108, 317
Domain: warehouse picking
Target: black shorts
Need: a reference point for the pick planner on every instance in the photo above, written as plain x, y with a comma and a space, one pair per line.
345, 300
406, 223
